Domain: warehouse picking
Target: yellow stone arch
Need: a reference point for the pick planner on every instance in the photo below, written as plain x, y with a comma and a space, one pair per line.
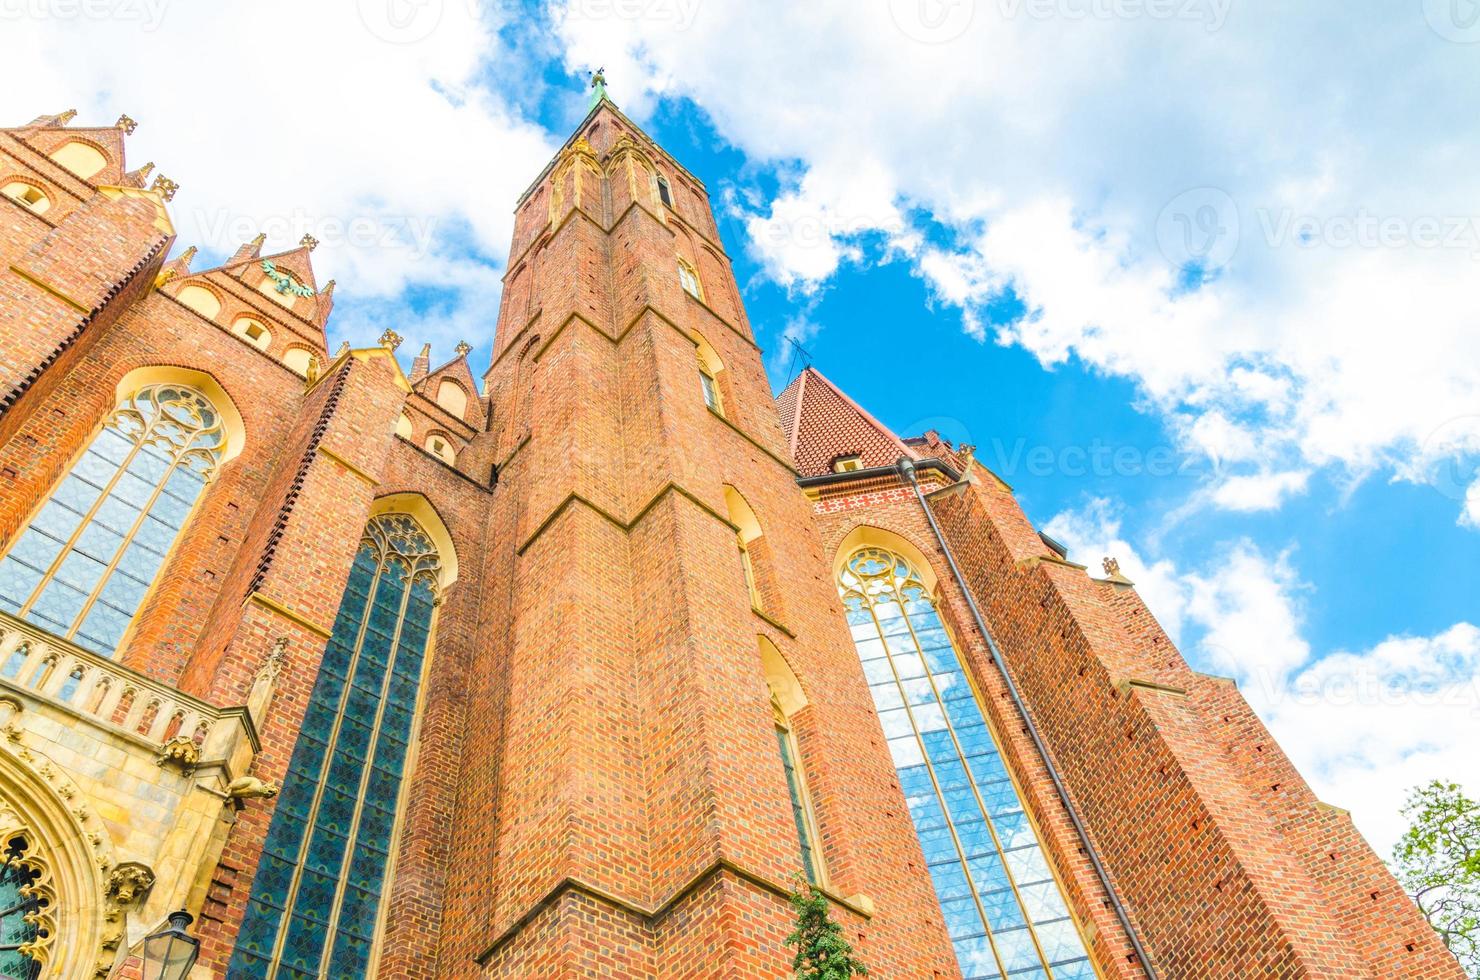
67, 847
421, 509
867, 535
231, 419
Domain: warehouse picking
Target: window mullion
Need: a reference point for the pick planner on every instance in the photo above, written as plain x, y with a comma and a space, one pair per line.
87, 518
290, 898
966, 769
930, 771
394, 654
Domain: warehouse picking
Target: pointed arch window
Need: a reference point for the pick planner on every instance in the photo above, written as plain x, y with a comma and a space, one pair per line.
83, 564
21, 907
688, 277
316, 898
801, 802
1002, 905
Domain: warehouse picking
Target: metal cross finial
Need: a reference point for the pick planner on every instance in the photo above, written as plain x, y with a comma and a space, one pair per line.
1112, 567
126, 124
309, 242
463, 348
165, 186
390, 339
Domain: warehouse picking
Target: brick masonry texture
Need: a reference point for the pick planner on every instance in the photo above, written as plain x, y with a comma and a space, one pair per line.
595, 788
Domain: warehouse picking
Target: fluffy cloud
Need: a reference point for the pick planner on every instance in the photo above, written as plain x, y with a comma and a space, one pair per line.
370, 125
1363, 727
1275, 243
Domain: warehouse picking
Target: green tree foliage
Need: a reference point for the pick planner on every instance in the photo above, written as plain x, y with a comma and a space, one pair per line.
823, 953
1438, 863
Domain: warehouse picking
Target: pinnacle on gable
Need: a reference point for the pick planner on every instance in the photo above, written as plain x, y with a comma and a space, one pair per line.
126, 124
62, 119
421, 364
309, 242
137, 177
390, 340
463, 348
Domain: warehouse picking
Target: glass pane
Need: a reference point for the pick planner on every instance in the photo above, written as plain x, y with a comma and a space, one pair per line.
1001, 906
344, 782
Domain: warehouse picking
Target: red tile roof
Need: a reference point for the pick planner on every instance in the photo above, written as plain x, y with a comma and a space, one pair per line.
821, 424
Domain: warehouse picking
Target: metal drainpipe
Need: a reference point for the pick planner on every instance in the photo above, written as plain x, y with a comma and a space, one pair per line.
906, 467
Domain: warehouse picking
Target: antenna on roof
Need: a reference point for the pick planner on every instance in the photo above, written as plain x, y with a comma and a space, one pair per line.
797, 350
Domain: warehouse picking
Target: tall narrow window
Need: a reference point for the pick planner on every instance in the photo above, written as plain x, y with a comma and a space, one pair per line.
316, 897
801, 808
82, 566
710, 368
1002, 906
665, 193
689, 279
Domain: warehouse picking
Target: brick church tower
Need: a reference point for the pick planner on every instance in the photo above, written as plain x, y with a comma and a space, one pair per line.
579, 672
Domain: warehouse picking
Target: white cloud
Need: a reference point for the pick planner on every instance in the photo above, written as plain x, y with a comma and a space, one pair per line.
376, 135
1362, 727
1259, 491
1081, 160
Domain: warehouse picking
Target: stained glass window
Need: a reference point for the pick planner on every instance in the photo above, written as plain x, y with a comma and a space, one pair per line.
800, 806
316, 896
83, 564
1003, 908
17, 901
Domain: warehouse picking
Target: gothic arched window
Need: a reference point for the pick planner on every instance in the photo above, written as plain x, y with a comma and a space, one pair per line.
82, 565
19, 919
316, 896
1003, 908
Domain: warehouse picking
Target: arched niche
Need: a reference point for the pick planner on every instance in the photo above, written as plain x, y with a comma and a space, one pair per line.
780, 678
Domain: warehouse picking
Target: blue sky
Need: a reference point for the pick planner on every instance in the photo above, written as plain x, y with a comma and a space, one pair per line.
1198, 278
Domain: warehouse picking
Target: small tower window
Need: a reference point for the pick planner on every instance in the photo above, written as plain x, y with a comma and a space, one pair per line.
711, 389
253, 332
29, 195
665, 193
690, 280
848, 464
439, 448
